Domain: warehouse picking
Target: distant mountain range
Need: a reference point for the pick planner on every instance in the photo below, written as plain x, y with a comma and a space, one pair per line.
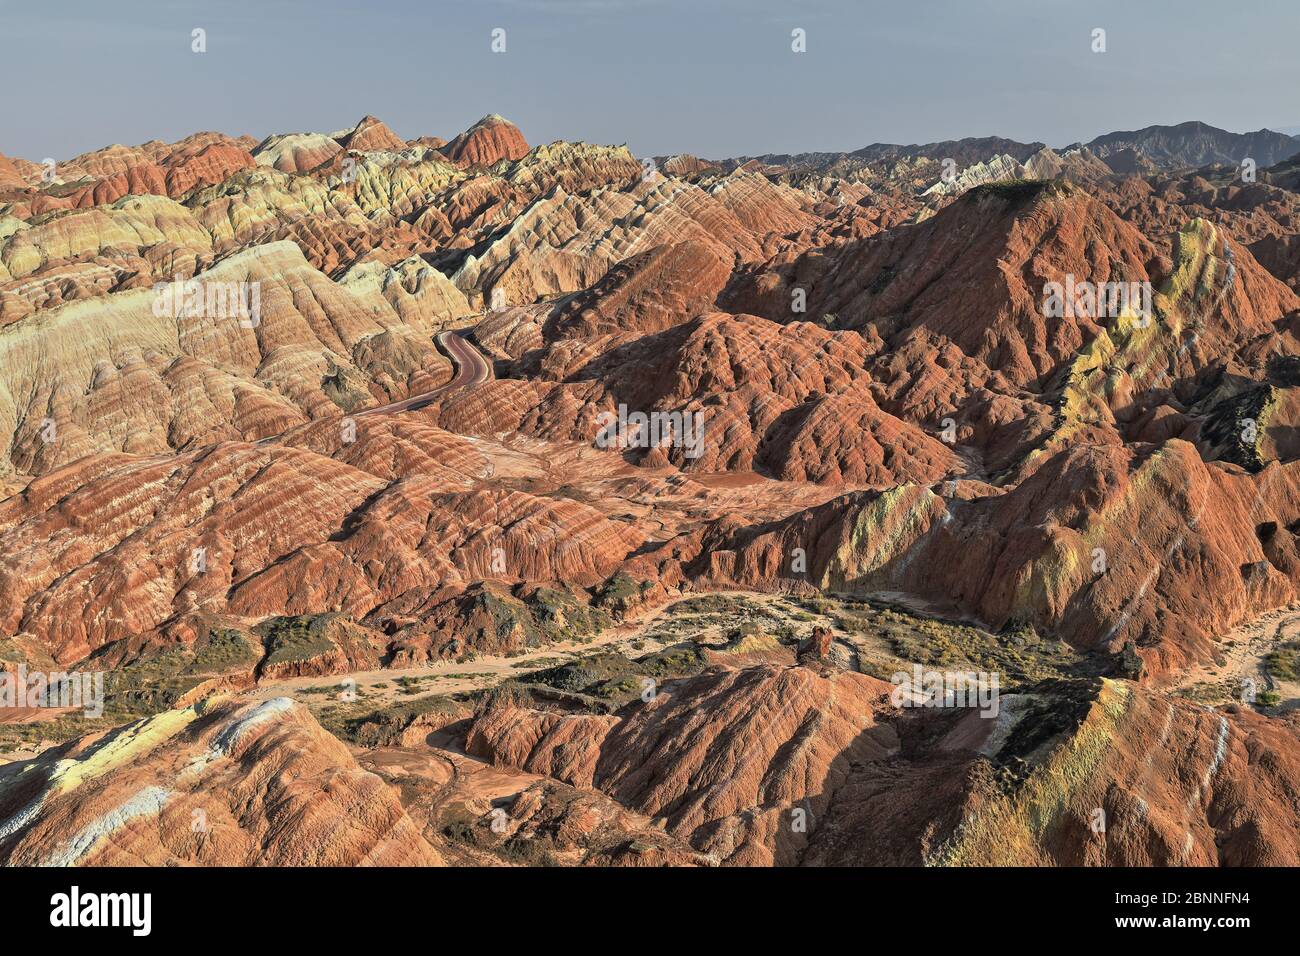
1186, 145
1198, 144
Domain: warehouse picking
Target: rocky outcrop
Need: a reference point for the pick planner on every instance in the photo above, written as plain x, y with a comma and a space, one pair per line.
989, 255
232, 783
10, 177
257, 530
1133, 779
729, 759
1168, 558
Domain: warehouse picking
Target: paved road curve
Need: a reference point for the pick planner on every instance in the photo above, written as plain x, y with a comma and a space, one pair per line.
471, 369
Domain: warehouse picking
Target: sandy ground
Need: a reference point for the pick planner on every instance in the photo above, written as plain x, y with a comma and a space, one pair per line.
1244, 650
32, 715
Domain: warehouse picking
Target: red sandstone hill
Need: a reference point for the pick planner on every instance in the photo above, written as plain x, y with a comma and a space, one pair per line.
491, 139
371, 134
729, 758
229, 783
9, 175
1186, 551
973, 274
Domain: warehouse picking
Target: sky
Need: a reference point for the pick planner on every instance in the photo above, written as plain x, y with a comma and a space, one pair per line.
711, 77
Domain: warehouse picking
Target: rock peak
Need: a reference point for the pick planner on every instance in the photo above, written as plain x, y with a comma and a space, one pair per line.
490, 140
371, 133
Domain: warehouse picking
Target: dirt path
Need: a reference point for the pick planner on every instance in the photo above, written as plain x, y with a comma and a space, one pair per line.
380, 687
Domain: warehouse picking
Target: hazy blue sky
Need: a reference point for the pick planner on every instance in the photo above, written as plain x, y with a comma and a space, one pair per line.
712, 77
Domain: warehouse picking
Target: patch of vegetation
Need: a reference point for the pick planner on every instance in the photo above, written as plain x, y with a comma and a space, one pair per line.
611, 676
58, 729
157, 679
724, 617
528, 851
1016, 190
533, 618
222, 650
621, 593
383, 727
300, 638
890, 636
819, 606
1284, 663
538, 662
412, 684
1210, 693
460, 824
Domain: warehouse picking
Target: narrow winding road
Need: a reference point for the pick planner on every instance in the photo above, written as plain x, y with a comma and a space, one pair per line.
471, 369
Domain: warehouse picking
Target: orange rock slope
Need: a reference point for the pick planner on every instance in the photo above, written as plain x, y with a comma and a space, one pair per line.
221, 784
